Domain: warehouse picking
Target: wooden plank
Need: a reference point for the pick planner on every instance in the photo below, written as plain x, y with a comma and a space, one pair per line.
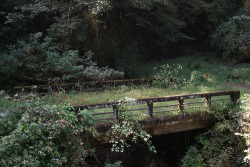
208, 102
187, 96
87, 83
235, 96
115, 113
180, 104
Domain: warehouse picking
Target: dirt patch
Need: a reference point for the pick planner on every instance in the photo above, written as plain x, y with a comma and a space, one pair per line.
239, 85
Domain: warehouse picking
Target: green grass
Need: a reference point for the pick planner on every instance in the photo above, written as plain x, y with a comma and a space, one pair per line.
85, 98
215, 68
211, 75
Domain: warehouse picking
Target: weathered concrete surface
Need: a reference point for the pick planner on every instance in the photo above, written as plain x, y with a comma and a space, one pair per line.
163, 125
178, 126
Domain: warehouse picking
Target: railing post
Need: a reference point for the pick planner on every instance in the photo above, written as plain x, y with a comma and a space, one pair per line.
150, 109
180, 104
49, 90
208, 102
115, 113
235, 96
150, 82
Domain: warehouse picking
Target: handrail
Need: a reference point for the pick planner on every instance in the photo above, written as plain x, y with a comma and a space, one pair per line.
234, 97
84, 86
88, 83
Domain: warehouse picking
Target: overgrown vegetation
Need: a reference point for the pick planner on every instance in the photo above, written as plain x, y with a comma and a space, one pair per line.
35, 134
46, 42
220, 146
201, 75
126, 127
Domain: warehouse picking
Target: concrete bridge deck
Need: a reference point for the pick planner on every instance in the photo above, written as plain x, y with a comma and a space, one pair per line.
156, 123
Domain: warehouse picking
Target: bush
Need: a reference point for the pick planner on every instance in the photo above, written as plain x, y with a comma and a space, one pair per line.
169, 75
218, 146
245, 103
115, 164
127, 127
39, 59
232, 38
192, 158
42, 135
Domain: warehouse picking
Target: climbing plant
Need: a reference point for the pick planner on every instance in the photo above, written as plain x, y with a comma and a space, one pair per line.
125, 128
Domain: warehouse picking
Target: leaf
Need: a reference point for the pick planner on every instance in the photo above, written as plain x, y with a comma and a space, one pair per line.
25, 152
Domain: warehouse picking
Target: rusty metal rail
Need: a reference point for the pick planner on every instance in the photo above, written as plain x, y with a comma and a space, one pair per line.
234, 97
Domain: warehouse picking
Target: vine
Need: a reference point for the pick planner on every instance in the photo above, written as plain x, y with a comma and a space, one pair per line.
127, 127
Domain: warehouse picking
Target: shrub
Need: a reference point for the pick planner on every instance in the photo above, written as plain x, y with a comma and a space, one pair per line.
192, 158
115, 164
127, 127
245, 103
42, 135
232, 38
169, 75
218, 146
41, 60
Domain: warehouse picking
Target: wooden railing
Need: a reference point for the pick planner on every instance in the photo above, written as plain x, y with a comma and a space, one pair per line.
83, 86
234, 97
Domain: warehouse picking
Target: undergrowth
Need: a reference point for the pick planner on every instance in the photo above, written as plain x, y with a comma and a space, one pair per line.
33, 133
219, 146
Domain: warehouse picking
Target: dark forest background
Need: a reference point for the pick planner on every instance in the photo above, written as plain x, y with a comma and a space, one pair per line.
54, 41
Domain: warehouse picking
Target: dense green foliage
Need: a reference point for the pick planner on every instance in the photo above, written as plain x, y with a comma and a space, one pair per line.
58, 41
33, 134
169, 76
36, 59
127, 127
219, 146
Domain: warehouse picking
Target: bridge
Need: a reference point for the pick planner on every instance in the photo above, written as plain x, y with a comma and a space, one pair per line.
162, 115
